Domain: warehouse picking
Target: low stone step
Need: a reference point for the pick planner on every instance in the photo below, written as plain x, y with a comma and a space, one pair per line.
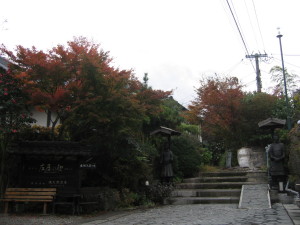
206, 193
215, 179
222, 174
202, 200
219, 185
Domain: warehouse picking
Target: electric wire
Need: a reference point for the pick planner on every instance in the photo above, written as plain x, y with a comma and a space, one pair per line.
287, 54
234, 67
238, 28
250, 82
286, 62
258, 25
251, 24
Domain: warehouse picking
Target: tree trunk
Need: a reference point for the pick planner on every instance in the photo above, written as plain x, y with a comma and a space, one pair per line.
48, 118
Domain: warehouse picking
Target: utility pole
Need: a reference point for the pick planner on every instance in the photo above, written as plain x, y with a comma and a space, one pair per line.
279, 36
258, 79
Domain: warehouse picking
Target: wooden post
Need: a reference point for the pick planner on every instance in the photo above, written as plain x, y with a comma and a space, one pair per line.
45, 208
6, 208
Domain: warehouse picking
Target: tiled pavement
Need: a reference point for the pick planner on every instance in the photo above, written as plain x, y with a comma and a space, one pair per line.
219, 214
254, 208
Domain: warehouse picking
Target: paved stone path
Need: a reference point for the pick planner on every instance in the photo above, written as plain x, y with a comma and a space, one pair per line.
294, 212
218, 214
255, 196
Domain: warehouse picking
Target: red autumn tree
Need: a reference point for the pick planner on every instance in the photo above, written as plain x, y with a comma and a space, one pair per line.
217, 108
54, 78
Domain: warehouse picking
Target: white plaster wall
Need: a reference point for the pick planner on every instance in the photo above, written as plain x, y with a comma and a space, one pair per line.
41, 117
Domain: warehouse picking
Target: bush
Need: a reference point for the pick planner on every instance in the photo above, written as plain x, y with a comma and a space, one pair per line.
109, 199
157, 193
188, 152
206, 156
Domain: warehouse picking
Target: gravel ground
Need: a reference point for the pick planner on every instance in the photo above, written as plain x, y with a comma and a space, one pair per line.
14, 219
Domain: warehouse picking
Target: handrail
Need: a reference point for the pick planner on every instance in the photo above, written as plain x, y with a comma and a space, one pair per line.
292, 191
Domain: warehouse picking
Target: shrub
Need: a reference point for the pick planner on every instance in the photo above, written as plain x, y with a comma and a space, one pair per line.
157, 193
188, 152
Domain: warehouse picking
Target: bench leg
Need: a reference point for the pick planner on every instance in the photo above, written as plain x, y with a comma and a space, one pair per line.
6, 207
45, 208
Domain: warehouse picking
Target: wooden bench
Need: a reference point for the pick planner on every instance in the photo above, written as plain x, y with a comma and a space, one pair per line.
44, 195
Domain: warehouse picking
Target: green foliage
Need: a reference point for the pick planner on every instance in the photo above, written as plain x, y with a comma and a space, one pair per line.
294, 151
170, 115
222, 160
217, 150
13, 117
206, 156
187, 150
256, 107
291, 80
189, 128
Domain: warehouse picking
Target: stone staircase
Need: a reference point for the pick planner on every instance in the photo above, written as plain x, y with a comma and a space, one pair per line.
214, 188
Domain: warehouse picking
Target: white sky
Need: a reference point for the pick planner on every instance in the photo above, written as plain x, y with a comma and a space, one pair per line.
175, 41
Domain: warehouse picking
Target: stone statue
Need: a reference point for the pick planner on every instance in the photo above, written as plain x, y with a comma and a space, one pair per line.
166, 162
276, 155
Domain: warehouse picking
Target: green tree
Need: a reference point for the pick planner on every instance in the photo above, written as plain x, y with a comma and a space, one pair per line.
14, 115
255, 108
188, 155
291, 80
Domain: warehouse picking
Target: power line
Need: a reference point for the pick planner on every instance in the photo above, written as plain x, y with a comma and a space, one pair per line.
287, 54
238, 28
286, 62
258, 25
234, 66
249, 82
251, 24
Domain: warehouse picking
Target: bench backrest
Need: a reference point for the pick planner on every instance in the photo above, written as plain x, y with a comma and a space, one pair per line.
30, 194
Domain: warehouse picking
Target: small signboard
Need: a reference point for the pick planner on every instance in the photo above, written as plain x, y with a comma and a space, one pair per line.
45, 173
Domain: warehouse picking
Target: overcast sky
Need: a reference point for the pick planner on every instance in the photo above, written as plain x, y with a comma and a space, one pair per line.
175, 41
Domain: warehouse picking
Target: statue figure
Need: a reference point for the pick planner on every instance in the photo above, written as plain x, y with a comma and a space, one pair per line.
166, 161
276, 154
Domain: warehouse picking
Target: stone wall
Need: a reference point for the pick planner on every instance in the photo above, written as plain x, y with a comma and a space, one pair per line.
252, 157
294, 151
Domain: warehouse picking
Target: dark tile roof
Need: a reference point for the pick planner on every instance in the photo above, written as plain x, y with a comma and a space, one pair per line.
59, 148
272, 123
165, 131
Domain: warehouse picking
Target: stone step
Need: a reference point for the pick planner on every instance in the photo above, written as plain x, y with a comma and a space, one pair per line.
215, 179
222, 174
206, 193
202, 200
215, 185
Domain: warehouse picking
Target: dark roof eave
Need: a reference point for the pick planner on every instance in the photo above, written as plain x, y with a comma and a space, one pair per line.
165, 131
50, 148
